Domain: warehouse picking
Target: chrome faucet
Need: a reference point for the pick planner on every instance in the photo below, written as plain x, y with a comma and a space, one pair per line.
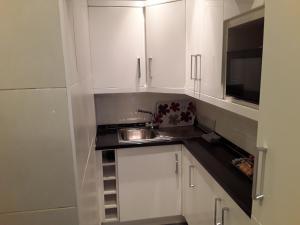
149, 124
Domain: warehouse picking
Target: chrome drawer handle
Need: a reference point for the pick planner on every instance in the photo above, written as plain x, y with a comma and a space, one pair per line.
176, 164
150, 67
225, 209
216, 210
139, 68
190, 176
259, 171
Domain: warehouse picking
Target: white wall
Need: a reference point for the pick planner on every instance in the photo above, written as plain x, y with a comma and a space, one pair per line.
122, 108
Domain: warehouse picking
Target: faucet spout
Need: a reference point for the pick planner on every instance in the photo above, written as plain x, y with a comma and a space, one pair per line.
145, 111
151, 122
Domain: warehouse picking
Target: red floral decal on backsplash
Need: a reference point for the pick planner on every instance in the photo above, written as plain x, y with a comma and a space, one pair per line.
158, 119
186, 116
174, 119
163, 109
175, 106
175, 113
192, 108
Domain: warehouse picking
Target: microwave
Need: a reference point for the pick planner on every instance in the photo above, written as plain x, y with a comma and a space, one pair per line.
244, 50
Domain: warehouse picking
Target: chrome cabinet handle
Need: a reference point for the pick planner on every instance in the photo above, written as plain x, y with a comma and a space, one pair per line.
192, 57
225, 209
200, 69
150, 67
259, 171
176, 164
190, 176
216, 210
139, 68
194, 67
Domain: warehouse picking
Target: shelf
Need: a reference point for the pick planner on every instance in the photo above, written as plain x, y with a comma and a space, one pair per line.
110, 200
110, 185
113, 219
242, 110
110, 192
111, 215
109, 178
138, 90
110, 206
109, 172
109, 164
108, 157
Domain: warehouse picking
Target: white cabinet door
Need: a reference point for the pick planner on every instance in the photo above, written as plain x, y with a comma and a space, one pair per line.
281, 136
188, 192
211, 55
35, 136
194, 42
31, 54
205, 196
234, 8
235, 215
117, 38
165, 31
198, 192
204, 27
149, 182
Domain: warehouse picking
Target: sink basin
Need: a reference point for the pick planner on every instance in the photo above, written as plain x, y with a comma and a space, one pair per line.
135, 135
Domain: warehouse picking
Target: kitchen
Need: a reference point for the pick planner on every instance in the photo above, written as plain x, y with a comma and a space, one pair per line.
149, 112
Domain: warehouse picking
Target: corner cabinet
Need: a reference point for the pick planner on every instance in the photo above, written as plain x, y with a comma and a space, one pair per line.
149, 182
117, 37
165, 34
203, 200
204, 37
205, 79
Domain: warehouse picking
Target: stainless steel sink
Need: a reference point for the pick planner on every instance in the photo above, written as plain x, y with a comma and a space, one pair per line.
128, 135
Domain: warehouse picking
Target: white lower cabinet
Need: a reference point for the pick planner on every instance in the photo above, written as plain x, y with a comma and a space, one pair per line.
198, 195
203, 200
235, 215
162, 181
149, 182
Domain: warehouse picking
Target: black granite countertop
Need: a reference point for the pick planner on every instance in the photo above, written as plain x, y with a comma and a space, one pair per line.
215, 158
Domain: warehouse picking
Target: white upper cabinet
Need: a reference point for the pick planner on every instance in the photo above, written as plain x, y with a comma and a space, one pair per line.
204, 47
211, 57
117, 36
149, 182
31, 53
234, 8
194, 42
165, 34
